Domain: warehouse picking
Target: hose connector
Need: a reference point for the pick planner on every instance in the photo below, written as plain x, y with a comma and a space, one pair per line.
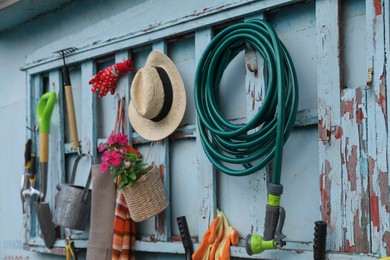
273, 226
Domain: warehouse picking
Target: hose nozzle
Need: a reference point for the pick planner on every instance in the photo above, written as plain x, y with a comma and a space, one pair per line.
254, 244
274, 222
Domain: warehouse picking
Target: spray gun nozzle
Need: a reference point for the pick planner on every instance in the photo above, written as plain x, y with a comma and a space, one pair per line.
274, 222
254, 244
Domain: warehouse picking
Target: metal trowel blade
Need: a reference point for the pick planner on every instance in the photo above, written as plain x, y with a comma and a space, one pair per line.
45, 222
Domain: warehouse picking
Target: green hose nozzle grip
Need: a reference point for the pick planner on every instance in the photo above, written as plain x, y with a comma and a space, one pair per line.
44, 111
255, 244
274, 221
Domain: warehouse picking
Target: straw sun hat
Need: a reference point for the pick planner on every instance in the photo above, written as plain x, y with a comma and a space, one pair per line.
158, 98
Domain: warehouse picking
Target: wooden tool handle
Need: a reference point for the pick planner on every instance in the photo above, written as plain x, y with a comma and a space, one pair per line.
44, 147
71, 117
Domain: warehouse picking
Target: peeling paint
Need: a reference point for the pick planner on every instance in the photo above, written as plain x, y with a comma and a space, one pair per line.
378, 7
348, 247
152, 27
383, 179
338, 132
359, 115
196, 13
374, 200
348, 107
369, 77
325, 186
360, 111
382, 96
351, 162
360, 235
324, 131
386, 240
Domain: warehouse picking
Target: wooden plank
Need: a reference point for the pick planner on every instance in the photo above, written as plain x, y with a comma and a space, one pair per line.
386, 14
353, 135
240, 252
88, 111
207, 186
328, 86
255, 93
161, 150
56, 170
377, 131
188, 18
33, 91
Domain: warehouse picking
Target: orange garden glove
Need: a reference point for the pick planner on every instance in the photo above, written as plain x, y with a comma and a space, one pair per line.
216, 242
230, 237
105, 80
219, 236
212, 235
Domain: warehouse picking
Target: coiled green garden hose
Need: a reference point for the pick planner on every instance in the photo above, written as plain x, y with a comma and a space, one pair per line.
260, 140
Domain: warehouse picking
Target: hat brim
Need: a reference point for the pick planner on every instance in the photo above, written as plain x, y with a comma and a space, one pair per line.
149, 129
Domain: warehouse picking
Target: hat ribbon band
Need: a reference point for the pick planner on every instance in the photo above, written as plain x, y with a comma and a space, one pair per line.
168, 94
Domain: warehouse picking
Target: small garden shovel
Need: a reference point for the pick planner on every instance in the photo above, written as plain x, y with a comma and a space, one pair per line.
44, 112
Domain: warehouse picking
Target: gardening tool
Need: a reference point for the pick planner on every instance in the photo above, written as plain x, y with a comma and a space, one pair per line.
74, 202
70, 249
69, 99
31, 178
256, 143
26, 174
44, 112
185, 237
319, 246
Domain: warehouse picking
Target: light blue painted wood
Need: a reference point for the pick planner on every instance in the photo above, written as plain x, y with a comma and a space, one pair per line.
377, 121
328, 86
56, 170
293, 23
163, 220
186, 20
88, 133
206, 188
255, 94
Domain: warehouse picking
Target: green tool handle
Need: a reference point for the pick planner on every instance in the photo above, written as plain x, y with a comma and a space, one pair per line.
44, 111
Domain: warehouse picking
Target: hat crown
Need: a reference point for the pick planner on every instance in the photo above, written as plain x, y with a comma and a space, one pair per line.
158, 98
147, 93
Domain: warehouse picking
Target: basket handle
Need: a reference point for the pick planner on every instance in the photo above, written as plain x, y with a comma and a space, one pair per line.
120, 124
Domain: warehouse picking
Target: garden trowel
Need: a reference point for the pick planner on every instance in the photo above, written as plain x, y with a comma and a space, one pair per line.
44, 112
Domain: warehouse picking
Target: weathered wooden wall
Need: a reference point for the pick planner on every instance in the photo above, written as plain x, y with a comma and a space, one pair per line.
335, 164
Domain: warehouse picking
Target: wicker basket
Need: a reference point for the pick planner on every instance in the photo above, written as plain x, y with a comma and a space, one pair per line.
146, 197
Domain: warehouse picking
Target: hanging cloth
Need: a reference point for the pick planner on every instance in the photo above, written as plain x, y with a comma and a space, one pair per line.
124, 227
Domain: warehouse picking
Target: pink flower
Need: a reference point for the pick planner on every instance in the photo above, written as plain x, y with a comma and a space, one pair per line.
106, 156
111, 138
102, 147
103, 167
115, 158
122, 139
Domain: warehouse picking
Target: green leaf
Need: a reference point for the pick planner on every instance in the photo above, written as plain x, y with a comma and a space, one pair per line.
133, 176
